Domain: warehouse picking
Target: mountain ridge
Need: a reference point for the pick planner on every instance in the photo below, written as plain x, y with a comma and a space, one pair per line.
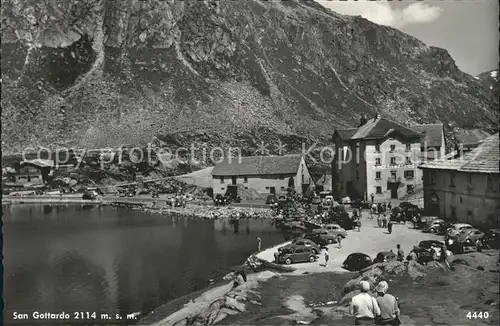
106, 73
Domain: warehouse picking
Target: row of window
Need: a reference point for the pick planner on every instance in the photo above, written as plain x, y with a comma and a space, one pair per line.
245, 179
409, 189
408, 174
393, 148
393, 161
490, 181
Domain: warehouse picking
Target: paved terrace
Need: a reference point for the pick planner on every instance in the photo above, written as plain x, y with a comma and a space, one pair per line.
370, 240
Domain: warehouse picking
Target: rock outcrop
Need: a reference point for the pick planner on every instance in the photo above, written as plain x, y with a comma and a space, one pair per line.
94, 73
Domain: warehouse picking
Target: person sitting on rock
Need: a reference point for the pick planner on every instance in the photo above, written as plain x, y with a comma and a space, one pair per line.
389, 310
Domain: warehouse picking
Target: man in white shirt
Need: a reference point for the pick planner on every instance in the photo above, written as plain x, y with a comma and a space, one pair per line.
363, 306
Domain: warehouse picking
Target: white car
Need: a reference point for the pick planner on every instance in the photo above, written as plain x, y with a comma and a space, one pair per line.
455, 229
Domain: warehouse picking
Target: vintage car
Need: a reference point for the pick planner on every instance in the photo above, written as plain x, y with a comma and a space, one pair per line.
356, 262
436, 226
426, 219
469, 236
296, 254
337, 228
300, 242
492, 239
456, 228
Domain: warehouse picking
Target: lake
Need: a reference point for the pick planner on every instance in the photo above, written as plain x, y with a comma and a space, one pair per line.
111, 260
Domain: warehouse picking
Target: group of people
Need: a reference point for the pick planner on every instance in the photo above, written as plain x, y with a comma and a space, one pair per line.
380, 310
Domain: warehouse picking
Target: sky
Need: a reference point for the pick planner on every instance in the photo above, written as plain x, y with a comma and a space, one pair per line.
468, 29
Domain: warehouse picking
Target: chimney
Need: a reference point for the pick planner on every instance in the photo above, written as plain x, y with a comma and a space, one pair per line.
362, 121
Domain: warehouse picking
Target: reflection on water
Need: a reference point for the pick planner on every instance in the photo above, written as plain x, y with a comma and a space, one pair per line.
76, 258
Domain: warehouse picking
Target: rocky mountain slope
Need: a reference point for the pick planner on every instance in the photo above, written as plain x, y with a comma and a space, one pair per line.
490, 80
107, 72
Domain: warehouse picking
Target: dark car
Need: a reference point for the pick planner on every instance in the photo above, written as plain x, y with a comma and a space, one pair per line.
221, 200
492, 239
299, 242
357, 262
397, 215
345, 222
423, 255
325, 236
271, 199
385, 256
88, 196
296, 254
436, 226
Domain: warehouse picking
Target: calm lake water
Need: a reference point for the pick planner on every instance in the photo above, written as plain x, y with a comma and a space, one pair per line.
111, 260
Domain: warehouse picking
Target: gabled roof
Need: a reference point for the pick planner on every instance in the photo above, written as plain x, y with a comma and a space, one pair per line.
39, 162
483, 159
433, 134
470, 137
378, 128
258, 165
346, 134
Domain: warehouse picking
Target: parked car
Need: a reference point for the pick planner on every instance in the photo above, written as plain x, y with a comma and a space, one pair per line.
345, 222
359, 203
424, 256
89, 196
456, 228
271, 199
123, 194
328, 236
356, 262
492, 239
384, 256
299, 242
336, 228
155, 194
434, 246
436, 226
469, 236
296, 254
426, 219
221, 200
397, 215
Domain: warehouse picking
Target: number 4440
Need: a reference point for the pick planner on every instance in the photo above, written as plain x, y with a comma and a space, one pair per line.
478, 315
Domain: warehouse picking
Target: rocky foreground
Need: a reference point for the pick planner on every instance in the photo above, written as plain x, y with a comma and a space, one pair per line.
212, 212
428, 295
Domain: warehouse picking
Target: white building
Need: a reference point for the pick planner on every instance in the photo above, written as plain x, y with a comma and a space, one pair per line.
378, 158
264, 174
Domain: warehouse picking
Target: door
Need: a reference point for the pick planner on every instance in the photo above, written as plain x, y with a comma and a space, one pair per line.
233, 180
300, 255
272, 190
394, 192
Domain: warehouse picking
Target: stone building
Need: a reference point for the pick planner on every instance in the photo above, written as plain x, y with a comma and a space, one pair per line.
264, 174
465, 189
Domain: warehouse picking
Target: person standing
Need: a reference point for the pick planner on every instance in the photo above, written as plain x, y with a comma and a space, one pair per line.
414, 221
401, 254
363, 306
327, 257
372, 197
388, 304
379, 221
389, 226
339, 241
259, 244
389, 206
479, 245
443, 257
384, 221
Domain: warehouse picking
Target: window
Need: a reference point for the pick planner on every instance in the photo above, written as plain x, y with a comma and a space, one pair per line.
377, 148
452, 179
221, 179
393, 174
378, 175
282, 188
453, 213
490, 183
409, 174
393, 148
357, 174
409, 189
377, 161
393, 161
245, 179
267, 188
299, 251
408, 161
469, 181
379, 190
408, 147
431, 177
